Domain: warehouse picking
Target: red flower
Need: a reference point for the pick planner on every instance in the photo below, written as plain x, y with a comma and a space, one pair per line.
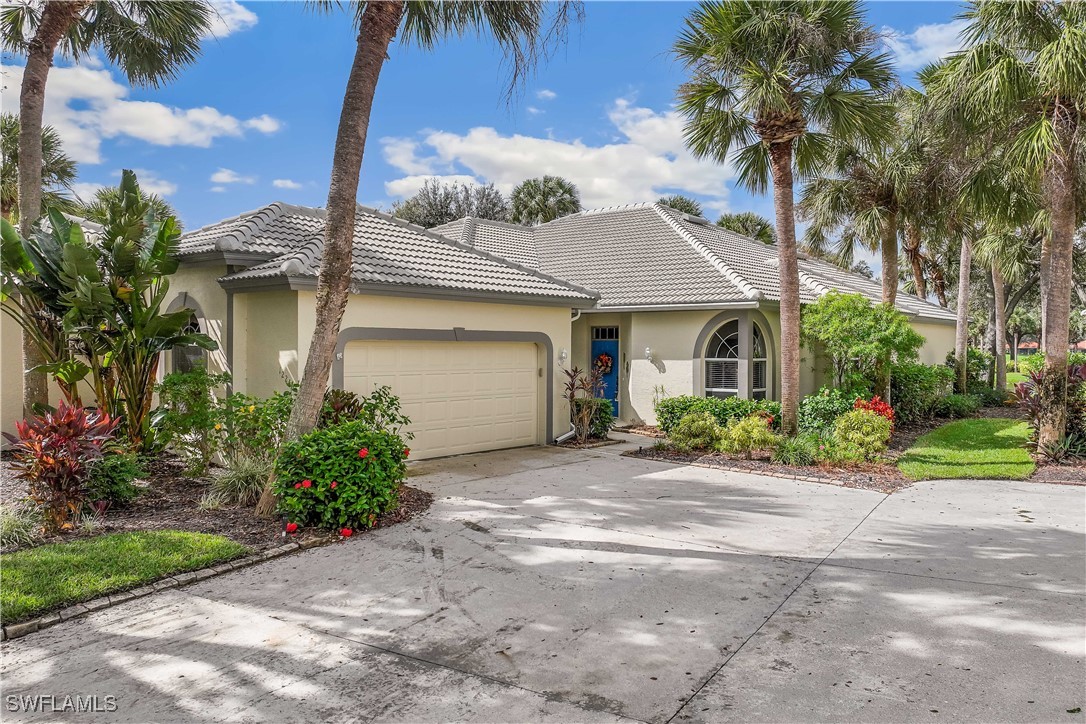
363, 453
333, 485
307, 483
292, 527
345, 532
406, 452
297, 485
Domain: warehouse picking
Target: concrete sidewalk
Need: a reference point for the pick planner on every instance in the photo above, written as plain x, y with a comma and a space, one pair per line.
549, 584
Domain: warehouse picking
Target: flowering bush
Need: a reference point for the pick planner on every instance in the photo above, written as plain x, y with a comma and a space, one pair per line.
341, 477
861, 435
53, 453
877, 405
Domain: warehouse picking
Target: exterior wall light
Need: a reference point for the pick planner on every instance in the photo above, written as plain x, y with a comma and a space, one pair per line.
563, 355
648, 354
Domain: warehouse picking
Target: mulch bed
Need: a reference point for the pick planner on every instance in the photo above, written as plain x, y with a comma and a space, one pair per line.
171, 501
588, 444
646, 430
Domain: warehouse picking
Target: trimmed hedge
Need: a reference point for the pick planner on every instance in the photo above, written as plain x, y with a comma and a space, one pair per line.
670, 410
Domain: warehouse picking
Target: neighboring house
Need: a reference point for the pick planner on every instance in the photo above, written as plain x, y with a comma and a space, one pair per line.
685, 307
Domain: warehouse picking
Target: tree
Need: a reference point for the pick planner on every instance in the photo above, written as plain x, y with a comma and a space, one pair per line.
151, 40
521, 29
685, 204
439, 203
98, 207
58, 171
539, 200
1022, 74
775, 84
749, 224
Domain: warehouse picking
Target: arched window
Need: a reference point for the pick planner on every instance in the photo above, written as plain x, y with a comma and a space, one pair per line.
760, 361
187, 357
722, 361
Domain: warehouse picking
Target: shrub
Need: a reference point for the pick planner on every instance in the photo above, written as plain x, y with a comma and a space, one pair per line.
877, 405
977, 365
340, 477
601, 417
1036, 362
578, 389
1029, 400
800, 450
111, 479
53, 453
987, 396
861, 434
916, 390
191, 414
820, 410
20, 525
242, 481
380, 410
725, 409
255, 427
955, 406
696, 431
339, 406
743, 437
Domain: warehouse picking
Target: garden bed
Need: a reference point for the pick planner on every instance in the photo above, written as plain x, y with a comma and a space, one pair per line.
589, 443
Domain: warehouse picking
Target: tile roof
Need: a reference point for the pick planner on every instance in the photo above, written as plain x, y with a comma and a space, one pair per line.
650, 254
387, 252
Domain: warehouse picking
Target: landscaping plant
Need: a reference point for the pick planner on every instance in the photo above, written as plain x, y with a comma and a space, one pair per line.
744, 436
111, 479
955, 406
20, 524
53, 453
1070, 443
339, 406
696, 431
578, 389
800, 450
877, 405
916, 390
242, 480
191, 414
862, 434
340, 477
670, 410
820, 410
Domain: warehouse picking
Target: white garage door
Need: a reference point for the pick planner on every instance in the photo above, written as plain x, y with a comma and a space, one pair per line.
461, 396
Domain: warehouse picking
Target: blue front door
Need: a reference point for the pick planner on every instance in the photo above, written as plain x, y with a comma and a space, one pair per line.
605, 359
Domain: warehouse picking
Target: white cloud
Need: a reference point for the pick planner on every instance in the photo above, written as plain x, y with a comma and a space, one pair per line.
150, 182
218, 189
229, 17
86, 105
545, 94
228, 176
409, 185
533, 111
926, 44
285, 183
85, 190
647, 159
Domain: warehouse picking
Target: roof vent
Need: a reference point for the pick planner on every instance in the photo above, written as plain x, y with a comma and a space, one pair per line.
699, 220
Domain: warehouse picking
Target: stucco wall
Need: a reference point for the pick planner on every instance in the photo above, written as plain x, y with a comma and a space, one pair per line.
200, 284
939, 340
265, 341
438, 314
11, 372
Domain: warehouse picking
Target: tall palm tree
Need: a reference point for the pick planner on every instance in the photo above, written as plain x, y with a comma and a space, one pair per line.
102, 205
681, 203
151, 40
1023, 74
775, 84
58, 171
749, 224
539, 200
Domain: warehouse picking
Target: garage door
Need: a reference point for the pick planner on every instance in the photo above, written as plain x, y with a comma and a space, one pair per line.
461, 396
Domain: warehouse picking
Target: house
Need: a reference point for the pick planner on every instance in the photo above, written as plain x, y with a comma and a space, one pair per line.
685, 306
472, 323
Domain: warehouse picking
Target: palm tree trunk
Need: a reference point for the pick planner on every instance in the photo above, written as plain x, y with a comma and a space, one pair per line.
376, 31
889, 259
1056, 298
961, 329
56, 19
912, 250
783, 203
998, 304
939, 282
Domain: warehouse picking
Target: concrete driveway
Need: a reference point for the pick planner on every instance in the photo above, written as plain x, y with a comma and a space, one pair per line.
548, 584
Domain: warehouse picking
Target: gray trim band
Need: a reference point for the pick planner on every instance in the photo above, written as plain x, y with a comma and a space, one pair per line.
456, 334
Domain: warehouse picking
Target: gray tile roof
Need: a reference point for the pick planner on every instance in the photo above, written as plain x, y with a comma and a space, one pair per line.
650, 254
387, 253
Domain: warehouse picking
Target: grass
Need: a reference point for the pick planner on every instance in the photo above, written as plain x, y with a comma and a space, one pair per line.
1013, 378
36, 580
986, 448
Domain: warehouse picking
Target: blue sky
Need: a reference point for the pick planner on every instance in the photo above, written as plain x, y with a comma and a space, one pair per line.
255, 119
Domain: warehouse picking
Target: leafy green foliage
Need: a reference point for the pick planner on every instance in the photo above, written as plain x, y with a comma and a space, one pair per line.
978, 362
917, 389
681, 203
747, 434
191, 413
749, 224
20, 524
58, 171
600, 415
861, 340
955, 405
984, 448
255, 427
112, 478
801, 450
580, 390
670, 410
696, 431
820, 410
340, 477
439, 203
539, 200
242, 481
1036, 362
53, 453
862, 434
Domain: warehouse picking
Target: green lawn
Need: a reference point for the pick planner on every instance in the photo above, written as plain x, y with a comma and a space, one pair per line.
981, 448
1013, 378
36, 580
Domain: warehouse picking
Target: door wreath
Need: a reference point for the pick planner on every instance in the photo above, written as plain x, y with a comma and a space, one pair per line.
603, 363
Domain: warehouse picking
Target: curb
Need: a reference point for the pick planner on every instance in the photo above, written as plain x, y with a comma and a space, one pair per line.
18, 630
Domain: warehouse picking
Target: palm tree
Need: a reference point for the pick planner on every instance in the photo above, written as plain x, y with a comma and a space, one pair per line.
521, 29
106, 199
1023, 74
151, 40
775, 84
539, 200
58, 171
685, 204
749, 224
